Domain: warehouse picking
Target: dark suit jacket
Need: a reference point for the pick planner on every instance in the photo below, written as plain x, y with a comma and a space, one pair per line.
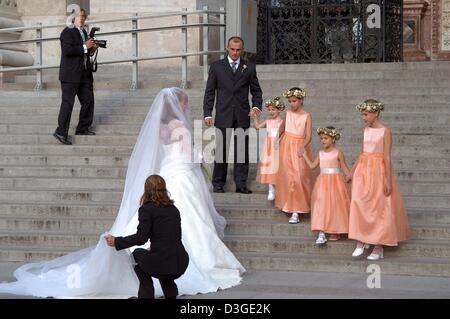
230, 93
162, 225
72, 56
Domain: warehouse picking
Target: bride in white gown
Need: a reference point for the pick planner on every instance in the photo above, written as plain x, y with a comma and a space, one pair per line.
164, 147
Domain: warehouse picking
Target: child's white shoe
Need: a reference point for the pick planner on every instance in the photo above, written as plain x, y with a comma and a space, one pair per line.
294, 219
376, 254
271, 195
360, 249
322, 239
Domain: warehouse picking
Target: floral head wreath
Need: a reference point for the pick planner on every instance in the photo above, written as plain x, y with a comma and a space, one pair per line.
330, 132
298, 93
371, 106
276, 103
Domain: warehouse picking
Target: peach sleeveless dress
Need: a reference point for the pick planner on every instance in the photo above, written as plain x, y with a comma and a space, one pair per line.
375, 218
294, 177
269, 160
330, 199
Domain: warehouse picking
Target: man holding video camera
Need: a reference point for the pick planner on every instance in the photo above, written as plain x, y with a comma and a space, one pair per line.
76, 78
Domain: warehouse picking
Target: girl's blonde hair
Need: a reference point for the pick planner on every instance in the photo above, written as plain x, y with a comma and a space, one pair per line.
329, 131
275, 103
294, 92
371, 106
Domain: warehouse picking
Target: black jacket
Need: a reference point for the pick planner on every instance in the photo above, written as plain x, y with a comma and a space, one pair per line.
230, 93
72, 56
162, 225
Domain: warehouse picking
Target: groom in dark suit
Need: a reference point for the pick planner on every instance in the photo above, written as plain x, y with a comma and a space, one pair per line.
229, 83
75, 74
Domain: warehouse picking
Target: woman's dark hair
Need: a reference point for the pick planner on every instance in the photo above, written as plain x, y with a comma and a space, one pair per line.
155, 191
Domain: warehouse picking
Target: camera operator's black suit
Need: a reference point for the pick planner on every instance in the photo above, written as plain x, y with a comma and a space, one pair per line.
76, 78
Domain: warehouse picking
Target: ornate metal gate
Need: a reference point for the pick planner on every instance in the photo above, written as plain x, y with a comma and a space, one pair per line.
329, 31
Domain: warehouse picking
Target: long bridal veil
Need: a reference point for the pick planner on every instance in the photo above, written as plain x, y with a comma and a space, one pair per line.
100, 271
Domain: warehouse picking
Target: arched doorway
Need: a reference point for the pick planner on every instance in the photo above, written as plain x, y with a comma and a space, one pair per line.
329, 31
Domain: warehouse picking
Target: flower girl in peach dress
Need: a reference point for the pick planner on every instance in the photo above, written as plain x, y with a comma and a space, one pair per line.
377, 212
330, 200
269, 160
294, 177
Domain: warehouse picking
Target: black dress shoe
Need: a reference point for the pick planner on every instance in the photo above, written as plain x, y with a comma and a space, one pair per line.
218, 190
87, 132
244, 190
63, 139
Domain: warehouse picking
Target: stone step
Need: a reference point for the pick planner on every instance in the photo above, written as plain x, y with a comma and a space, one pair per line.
30, 254
89, 150
63, 225
292, 76
89, 161
316, 89
238, 244
67, 150
286, 78
145, 97
149, 92
345, 84
346, 117
37, 183
234, 227
411, 266
60, 209
257, 212
11, 139
85, 196
92, 171
198, 92
63, 171
436, 140
139, 106
411, 201
242, 211
351, 129
116, 184
343, 247
49, 129
407, 187
275, 228
373, 67
411, 165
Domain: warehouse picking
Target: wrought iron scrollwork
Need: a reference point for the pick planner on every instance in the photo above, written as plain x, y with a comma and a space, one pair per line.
328, 31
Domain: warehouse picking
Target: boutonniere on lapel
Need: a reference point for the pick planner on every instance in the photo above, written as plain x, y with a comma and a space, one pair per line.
244, 67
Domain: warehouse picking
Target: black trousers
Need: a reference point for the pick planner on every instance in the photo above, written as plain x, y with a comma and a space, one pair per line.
85, 92
146, 289
241, 156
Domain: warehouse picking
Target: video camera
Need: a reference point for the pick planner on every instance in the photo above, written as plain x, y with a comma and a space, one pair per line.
100, 43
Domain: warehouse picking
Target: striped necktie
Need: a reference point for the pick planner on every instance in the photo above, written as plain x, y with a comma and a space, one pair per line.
233, 66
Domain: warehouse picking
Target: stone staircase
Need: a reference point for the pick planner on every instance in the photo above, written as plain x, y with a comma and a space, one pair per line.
55, 199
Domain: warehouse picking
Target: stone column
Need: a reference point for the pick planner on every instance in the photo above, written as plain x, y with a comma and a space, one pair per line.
11, 55
413, 31
440, 31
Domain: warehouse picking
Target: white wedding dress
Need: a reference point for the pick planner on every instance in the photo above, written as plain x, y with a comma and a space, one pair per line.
103, 272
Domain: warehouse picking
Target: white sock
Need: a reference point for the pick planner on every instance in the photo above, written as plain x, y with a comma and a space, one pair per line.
271, 188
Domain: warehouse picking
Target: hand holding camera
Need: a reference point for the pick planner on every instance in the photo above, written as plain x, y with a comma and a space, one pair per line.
90, 43
98, 43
